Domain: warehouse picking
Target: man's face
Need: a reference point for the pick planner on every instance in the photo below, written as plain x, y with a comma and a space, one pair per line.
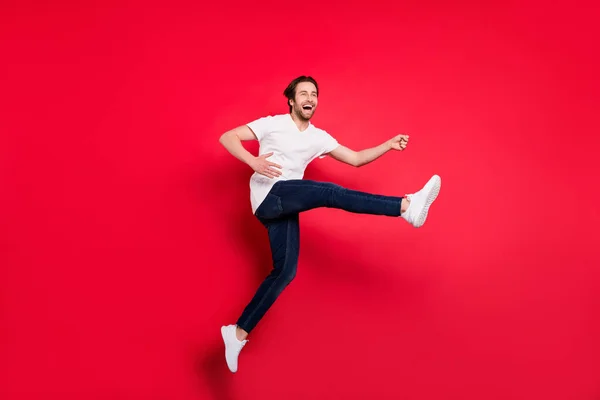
305, 102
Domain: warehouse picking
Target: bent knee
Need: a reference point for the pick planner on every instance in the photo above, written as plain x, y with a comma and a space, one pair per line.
288, 275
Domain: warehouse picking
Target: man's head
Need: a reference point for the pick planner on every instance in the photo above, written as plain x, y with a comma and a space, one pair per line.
302, 94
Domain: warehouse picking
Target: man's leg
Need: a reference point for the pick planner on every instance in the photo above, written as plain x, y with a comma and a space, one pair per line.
302, 195
295, 196
284, 239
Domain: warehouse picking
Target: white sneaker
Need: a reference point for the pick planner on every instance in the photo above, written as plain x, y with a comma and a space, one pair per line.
232, 346
416, 214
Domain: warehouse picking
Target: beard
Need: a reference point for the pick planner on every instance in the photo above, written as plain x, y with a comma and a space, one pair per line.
303, 114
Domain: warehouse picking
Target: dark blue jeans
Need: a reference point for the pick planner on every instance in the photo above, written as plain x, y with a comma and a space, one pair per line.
279, 213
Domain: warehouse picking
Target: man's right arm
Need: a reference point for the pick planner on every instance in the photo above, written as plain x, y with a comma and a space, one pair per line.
232, 141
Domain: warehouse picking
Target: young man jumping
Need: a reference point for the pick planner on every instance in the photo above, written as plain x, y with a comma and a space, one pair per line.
278, 193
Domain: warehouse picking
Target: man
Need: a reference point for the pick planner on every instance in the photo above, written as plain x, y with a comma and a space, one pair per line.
278, 194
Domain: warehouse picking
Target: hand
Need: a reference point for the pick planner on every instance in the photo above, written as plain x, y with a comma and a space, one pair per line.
267, 168
399, 142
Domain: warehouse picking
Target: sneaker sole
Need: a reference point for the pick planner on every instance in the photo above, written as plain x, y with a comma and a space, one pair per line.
431, 196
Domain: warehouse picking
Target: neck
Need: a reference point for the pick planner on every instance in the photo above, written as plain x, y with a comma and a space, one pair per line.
301, 123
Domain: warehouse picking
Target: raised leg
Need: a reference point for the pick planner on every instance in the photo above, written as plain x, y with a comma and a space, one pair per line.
295, 196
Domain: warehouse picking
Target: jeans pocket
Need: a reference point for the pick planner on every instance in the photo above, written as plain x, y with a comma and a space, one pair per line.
270, 208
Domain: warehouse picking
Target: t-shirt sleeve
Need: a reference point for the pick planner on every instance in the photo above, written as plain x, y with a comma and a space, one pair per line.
329, 144
261, 127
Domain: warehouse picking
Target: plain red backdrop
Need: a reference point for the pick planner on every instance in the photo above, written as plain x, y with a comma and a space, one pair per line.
127, 238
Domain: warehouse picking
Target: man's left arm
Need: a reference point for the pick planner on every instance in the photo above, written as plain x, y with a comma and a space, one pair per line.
363, 157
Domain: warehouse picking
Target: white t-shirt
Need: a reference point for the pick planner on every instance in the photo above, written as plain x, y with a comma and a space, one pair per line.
292, 149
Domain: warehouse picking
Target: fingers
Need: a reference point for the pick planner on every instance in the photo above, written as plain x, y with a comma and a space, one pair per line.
403, 141
267, 174
401, 145
270, 172
268, 168
274, 171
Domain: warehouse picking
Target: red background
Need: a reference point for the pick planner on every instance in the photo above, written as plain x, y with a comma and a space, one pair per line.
127, 238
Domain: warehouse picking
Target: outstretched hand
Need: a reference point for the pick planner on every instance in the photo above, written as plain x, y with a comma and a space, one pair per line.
264, 167
399, 142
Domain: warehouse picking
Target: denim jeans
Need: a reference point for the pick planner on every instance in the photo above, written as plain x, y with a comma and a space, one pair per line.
279, 213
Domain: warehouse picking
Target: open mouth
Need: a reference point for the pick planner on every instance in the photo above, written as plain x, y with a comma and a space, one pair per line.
307, 107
